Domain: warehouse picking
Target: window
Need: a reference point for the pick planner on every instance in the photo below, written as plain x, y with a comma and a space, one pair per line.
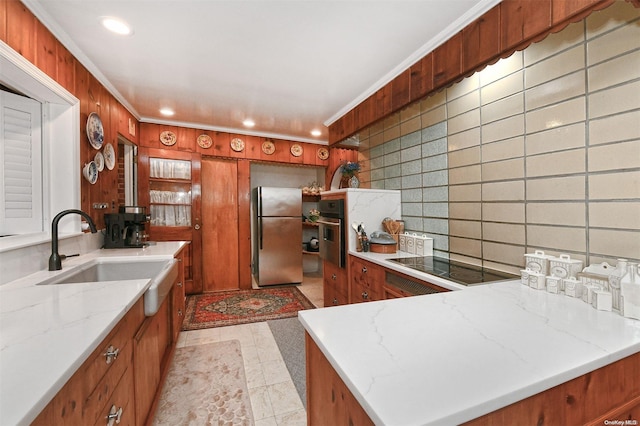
20, 165
60, 149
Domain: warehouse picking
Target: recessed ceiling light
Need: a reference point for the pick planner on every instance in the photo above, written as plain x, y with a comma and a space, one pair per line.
316, 132
167, 111
249, 122
116, 25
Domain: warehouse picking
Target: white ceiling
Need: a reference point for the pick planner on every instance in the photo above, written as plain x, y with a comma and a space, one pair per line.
291, 66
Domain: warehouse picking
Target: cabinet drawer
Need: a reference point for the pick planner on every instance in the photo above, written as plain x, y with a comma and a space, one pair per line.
119, 408
110, 350
368, 276
105, 390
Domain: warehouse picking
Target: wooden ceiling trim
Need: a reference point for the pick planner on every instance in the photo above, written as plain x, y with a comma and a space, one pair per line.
510, 26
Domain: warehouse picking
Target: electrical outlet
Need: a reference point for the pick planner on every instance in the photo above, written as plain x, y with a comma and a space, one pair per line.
100, 206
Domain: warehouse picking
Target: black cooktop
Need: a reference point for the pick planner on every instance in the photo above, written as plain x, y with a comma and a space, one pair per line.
459, 272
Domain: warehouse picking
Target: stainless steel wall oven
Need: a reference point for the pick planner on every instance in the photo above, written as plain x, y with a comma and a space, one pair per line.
332, 231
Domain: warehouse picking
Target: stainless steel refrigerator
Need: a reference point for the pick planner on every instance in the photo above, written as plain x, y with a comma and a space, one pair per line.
277, 235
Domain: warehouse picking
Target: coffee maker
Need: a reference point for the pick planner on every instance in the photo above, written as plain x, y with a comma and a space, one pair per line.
126, 228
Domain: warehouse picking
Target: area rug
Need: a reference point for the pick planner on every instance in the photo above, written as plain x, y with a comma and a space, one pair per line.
242, 307
289, 336
206, 385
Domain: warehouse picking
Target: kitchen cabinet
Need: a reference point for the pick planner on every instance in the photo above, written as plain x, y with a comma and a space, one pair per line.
150, 346
122, 378
329, 401
179, 300
169, 184
366, 280
335, 285
103, 383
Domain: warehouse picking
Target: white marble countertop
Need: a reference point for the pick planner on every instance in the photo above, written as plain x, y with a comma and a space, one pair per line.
48, 331
429, 359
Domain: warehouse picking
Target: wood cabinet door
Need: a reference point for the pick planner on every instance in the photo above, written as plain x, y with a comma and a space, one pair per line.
220, 235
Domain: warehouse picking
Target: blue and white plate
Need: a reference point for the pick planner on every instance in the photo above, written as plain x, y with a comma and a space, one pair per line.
95, 130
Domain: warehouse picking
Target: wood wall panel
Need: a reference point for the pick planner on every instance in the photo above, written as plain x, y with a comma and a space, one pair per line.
244, 224
66, 69
481, 40
401, 90
509, 26
3, 19
447, 61
21, 30
46, 51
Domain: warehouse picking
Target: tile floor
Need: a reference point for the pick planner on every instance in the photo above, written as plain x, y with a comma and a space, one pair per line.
274, 399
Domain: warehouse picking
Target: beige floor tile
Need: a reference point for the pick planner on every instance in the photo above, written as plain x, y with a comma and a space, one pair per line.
284, 398
296, 418
275, 372
260, 403
269, 421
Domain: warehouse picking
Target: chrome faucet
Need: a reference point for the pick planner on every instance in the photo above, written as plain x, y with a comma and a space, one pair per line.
55, 260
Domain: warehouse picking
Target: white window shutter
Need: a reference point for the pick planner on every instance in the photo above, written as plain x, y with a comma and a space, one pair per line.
21, 165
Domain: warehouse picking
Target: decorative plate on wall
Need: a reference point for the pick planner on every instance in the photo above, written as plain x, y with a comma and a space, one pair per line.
90, 172
268, 147
323, 153
95, 131
168, 138
109, 156
205, 141
99, 159
237, 144
296, 150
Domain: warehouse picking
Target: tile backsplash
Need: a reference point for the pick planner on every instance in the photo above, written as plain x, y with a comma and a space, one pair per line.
538, 151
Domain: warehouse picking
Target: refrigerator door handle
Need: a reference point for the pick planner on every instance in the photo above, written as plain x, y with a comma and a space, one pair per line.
260, 231
259, 206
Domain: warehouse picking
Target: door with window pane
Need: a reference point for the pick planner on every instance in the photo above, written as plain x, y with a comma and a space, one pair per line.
169, 185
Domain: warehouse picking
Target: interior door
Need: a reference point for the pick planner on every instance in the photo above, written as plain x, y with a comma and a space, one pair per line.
220, 235
169, 184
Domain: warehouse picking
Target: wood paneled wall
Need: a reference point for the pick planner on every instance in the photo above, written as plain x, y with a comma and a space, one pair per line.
23, 32
509, 26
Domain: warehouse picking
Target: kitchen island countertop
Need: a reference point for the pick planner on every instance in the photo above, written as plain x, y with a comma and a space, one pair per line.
48, 331
451, 357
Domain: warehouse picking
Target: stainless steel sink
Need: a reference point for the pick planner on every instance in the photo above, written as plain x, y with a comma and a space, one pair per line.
162, 274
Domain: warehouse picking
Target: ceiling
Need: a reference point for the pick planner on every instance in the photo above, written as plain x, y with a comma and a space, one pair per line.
290, 66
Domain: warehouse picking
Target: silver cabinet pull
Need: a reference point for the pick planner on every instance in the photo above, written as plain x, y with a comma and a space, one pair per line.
114, 416
334, 277
179, 284
365, 295
364, 269
111, 354
335, 301
197, 227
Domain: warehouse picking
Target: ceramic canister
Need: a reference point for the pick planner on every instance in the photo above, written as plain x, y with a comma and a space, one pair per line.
402, 242
524, 276
553, 284
602, 300
536, 280
572, 287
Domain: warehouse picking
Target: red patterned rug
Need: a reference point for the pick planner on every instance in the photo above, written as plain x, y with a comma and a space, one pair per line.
242, 307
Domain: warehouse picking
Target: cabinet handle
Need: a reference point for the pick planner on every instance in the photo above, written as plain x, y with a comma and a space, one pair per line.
111, 354
334, 277
114, 416
364, 269
179, 312
197, 227
335, 301
365, 295
179, 284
